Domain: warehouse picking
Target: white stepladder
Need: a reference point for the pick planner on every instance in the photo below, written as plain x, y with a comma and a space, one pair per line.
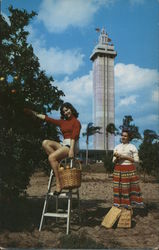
63, 195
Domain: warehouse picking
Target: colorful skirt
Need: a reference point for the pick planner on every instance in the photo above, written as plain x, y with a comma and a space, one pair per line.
126, 186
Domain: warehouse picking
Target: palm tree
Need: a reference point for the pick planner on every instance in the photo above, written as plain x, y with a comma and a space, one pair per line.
150, 136
90, 130
131, 127
111, 129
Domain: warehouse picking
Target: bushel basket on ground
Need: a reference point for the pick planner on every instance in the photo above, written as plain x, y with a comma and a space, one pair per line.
70, 174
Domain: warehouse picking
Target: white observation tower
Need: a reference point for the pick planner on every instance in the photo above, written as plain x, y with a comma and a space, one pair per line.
103, 89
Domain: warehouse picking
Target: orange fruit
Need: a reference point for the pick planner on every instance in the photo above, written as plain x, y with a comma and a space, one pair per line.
61, 168
13, 91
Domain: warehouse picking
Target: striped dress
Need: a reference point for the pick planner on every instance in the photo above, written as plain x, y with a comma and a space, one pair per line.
125, 180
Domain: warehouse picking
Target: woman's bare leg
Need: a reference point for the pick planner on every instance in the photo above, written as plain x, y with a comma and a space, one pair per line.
54, 159
50, 146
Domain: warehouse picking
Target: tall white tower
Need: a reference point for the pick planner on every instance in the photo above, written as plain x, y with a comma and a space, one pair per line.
103, 88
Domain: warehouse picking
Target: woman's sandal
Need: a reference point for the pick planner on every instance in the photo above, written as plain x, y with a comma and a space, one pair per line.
56, 193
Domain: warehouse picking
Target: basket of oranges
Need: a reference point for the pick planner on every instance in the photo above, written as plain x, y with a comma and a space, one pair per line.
70, 173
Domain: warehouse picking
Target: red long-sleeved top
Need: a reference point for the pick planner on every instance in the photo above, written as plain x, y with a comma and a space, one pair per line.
69, 128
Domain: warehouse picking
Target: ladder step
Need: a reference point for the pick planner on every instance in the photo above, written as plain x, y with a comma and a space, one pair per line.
62, 195
60, 215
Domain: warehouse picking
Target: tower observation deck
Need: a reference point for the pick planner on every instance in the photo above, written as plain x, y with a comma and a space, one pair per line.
103, 90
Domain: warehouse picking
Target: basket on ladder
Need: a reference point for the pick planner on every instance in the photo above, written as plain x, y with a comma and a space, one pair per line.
70, 171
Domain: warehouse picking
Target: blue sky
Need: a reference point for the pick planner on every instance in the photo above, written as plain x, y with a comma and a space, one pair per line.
63, 37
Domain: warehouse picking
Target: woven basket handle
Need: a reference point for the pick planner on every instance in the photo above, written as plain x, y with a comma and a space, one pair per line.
71, 162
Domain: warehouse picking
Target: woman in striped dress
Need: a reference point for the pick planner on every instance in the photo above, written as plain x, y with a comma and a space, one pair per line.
125, 180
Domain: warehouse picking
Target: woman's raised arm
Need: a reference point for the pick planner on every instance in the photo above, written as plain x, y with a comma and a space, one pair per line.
31, 112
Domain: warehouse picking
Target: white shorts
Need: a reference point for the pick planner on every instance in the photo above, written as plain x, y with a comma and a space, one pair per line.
67, 143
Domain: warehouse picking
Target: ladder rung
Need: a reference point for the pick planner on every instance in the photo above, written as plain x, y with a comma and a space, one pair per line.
62, 195
60, 215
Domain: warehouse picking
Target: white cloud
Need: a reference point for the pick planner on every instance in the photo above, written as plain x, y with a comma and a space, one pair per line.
6, 18
83, 138
35, 38
128, 100
135, 84
149, 121
58, 15
131, 77
155, 96
54, 60
57, 62
78, 90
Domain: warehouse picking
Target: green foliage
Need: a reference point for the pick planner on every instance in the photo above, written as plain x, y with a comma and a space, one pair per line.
22, 84
149, 153
90, 130
111, 129
18, 157
108, 164
150, 136
131, 127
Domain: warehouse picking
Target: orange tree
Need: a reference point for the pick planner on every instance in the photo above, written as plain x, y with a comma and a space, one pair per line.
22, 84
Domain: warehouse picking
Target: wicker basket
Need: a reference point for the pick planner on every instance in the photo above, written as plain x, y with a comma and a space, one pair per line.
111, 217
125, 219
70, 175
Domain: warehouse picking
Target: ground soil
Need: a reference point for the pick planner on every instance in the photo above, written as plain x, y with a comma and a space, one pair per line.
20, 219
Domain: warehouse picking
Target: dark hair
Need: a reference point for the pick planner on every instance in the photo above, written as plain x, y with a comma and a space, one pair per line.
68, 105
128, 132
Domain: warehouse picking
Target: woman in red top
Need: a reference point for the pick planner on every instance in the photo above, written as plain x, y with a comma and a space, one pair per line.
70, 128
